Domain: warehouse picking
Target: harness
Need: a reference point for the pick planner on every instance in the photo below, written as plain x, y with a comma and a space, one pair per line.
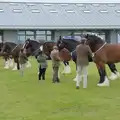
100, 48
14, 48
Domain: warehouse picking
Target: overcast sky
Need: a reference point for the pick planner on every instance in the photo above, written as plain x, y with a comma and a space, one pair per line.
73, 1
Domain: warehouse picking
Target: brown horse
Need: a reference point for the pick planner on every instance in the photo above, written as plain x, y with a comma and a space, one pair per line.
70, 45
10, 49
105, 53
33, 47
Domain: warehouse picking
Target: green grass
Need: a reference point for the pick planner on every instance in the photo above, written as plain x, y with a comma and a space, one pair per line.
24, 98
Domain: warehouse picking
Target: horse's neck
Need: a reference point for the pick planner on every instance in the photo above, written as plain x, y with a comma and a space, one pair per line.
94, 48
71, 47
35, 46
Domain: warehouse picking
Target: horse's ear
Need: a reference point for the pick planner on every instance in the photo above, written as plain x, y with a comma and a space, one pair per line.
60, 37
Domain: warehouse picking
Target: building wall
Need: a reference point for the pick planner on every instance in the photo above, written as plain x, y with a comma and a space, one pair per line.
10, 36
111, 36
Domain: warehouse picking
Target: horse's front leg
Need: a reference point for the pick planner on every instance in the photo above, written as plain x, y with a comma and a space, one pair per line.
67, 68
103, 76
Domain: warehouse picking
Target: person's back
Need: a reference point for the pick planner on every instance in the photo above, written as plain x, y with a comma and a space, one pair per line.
55, 63
42, 59
55, 58
83, 52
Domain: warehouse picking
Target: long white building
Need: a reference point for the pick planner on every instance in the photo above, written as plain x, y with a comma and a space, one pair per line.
49, 20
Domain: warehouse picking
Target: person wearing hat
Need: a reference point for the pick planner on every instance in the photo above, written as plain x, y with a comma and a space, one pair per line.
82, 51
22, 60
55, 63
42, 60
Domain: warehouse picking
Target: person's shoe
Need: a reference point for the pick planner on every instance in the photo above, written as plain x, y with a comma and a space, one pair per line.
77, 87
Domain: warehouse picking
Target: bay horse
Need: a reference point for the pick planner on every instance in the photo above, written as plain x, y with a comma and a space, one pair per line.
104, 53
33, 47
71, 43
9, 50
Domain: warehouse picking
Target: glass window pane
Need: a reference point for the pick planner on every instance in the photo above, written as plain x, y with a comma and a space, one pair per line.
48, 32
42, 37
21, 32
29, 33
40, 32
0, 39
21, 39
30, 37
48, 38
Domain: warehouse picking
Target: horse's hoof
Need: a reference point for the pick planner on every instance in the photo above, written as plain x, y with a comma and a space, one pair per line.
113, 76
6, 67
105, 83
14, 69
118, 74
75, 79
77, 87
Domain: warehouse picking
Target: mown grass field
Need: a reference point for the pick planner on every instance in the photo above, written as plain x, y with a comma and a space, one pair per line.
26, 98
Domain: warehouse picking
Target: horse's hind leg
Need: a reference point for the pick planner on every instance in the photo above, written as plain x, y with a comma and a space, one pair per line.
115, 74
103, 77
17, 66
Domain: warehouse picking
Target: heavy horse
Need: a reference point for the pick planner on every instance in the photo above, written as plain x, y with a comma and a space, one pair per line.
71, 43
105, 53
11, 50
33, 47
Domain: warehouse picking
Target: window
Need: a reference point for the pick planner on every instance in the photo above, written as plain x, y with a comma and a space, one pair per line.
86, 11
29, 32
17, 10
35, 11
47, 4
103, 11
80, 5
1, 10
43, 35
111, 5
40, 32
30, 4
70, 11
96, 5
34, 35
23, 35
53, 11
64, 4
13, 4
118, 11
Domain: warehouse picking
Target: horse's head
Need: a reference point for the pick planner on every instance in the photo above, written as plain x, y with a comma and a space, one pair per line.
93, 41
27, 44
28, 47
60, 44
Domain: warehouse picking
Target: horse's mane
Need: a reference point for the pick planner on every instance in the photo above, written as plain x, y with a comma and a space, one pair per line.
96, 39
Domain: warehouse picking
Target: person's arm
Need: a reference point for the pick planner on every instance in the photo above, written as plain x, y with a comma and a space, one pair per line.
90, 52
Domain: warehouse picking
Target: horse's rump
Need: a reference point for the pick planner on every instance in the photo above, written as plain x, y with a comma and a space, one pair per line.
65, 55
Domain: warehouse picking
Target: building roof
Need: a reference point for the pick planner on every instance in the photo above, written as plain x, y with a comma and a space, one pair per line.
39, 15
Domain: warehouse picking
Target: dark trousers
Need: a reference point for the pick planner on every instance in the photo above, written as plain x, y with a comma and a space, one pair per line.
41, 73
55, 74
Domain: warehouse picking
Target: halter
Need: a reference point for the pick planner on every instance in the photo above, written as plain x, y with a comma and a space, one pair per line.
100, 48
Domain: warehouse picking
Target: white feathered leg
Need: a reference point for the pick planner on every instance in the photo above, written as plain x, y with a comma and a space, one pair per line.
15, 66
6, 64
28, 64
105, 83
